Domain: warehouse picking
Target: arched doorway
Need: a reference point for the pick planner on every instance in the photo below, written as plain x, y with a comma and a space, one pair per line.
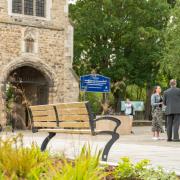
30, 87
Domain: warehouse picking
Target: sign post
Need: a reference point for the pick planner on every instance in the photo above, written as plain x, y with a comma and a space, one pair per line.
97, 84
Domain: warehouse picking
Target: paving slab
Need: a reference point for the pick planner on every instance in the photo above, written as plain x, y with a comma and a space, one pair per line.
137, 146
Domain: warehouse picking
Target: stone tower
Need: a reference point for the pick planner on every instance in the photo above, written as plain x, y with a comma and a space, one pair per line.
36, 43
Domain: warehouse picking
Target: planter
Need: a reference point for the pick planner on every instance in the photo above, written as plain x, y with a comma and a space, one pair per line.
124, 129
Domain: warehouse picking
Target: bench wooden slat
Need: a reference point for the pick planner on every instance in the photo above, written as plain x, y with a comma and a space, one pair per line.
74, 118
70, 115
74, 111
44, 118
45, 124
62, 124
71, 105
43, 113
42, 108
74, 124
64, 118
67, 131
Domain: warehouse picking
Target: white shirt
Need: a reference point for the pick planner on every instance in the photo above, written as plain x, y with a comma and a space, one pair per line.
128, 108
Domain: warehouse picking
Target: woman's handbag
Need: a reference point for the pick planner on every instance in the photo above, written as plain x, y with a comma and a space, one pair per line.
163, 108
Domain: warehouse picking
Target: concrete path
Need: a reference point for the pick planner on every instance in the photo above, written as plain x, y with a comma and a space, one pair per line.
137, 146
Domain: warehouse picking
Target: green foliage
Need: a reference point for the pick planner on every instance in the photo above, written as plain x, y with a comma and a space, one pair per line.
127, 170
121, 39
1, 175
94, 99
172, 2
157, 174
119, 43
9, 92
18, 162
142, 170
9, 96
85, 167
134, 92
171, 63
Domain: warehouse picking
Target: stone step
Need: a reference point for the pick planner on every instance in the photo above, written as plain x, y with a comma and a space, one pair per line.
143, 123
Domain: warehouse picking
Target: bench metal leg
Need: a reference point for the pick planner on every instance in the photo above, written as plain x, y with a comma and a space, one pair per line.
34, 130
115, 136
46, 141
113, 133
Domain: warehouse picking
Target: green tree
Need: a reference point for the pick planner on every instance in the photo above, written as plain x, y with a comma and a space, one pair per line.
172, 2
122, 39
172, 54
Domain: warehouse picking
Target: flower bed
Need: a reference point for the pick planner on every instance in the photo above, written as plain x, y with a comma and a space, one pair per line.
19, 162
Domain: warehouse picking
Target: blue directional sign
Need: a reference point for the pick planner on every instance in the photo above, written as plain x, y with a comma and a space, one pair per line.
95, 83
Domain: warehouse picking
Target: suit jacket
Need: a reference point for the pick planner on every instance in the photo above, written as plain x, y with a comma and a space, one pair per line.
171, 100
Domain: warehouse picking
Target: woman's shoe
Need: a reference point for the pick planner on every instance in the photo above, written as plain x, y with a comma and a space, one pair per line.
155, 138
160, 138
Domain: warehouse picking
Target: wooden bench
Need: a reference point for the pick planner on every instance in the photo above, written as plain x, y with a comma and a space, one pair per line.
71, 118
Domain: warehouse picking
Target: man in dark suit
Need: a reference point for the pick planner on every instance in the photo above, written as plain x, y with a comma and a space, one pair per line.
172, 102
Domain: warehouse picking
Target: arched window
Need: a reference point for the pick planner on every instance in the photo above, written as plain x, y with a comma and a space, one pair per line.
29, 45
29, 7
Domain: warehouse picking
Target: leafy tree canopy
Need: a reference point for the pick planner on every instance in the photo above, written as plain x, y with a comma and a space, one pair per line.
122, 39
172, 53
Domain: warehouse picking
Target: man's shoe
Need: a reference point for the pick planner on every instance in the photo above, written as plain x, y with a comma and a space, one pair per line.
169, 140
176, 140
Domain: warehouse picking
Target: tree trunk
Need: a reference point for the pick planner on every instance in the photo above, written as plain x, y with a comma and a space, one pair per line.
117, 102
148, 103
105, 103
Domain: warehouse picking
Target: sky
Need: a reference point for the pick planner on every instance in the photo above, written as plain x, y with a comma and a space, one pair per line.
72, 1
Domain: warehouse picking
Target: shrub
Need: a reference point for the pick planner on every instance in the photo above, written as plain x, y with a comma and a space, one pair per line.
157, 174
18, 162
94, 99
85, 167
142, 170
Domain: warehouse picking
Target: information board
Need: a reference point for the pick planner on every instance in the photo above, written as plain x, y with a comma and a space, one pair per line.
95, 83
138, 105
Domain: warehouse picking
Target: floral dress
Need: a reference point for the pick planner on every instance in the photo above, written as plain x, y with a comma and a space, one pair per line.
157, 114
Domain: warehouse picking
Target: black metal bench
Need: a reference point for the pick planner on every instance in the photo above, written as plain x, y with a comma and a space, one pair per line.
71, 118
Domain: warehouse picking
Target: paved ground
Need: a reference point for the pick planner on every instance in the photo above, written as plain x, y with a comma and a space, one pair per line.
137, 146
